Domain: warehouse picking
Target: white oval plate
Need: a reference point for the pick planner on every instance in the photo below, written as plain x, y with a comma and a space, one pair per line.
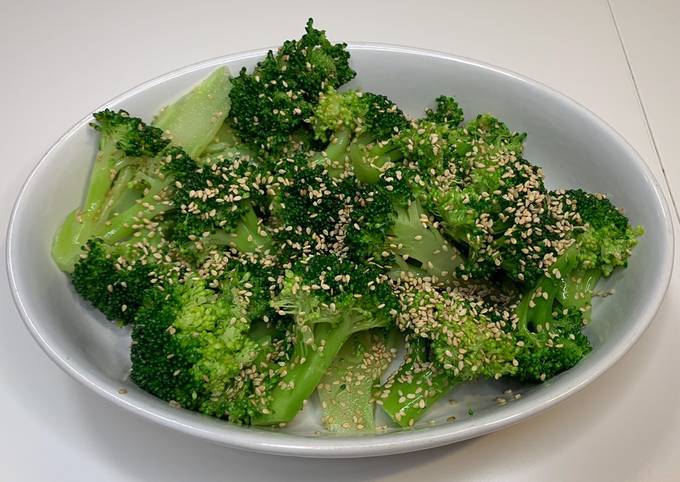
574, 146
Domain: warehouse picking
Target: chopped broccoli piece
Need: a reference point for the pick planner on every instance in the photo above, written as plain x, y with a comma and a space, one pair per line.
190, 343
346, 389
273, 102
192, 121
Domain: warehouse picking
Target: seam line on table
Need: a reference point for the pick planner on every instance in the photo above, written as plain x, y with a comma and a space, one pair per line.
645, 117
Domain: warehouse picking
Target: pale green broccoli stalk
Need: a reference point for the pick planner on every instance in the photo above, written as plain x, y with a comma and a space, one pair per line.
192, 121
346, 389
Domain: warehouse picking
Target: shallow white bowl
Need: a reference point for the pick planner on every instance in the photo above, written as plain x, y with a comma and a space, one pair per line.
574, 146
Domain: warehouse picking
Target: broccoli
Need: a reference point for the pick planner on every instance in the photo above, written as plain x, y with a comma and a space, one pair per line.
447, 111
317, 211
598, 239
115, 278
534, 340
357, 126
192, 121
421, 145
346, 389
272, 104
189, 344
124, 144
329, 300
217, 206
456, 337
134, 174
272, 235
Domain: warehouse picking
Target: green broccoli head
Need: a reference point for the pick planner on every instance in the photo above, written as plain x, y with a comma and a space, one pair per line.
273, 102
607, 238
447, 111
356, 124
189, 343
317, 212
129, 135
470, 337
216, 205
453, 335
115, 279
550, 347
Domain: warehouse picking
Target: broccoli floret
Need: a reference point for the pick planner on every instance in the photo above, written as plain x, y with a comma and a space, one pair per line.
272, 103
189, 343
357, 126
493, 202
328, 300
599, 239
217, 206
315, 211
465, 338
422, 145
447, 111
551, 346
124, 143
192, 121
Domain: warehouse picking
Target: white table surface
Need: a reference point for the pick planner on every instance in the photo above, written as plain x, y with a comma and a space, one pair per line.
60, 60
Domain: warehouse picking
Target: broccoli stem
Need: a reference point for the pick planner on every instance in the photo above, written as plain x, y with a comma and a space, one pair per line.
119, 191
414, 388
338, 145
123, 225
410, 238
101, 175
368, 160
225, 145
537, 305
70, 237
304, 373
193, 120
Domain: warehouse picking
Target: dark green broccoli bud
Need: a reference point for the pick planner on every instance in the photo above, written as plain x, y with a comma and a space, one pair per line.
189, 343
115, 278
317, 212
447, 112
272, 103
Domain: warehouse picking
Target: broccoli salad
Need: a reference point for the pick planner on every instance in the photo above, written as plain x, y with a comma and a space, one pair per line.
271, 235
